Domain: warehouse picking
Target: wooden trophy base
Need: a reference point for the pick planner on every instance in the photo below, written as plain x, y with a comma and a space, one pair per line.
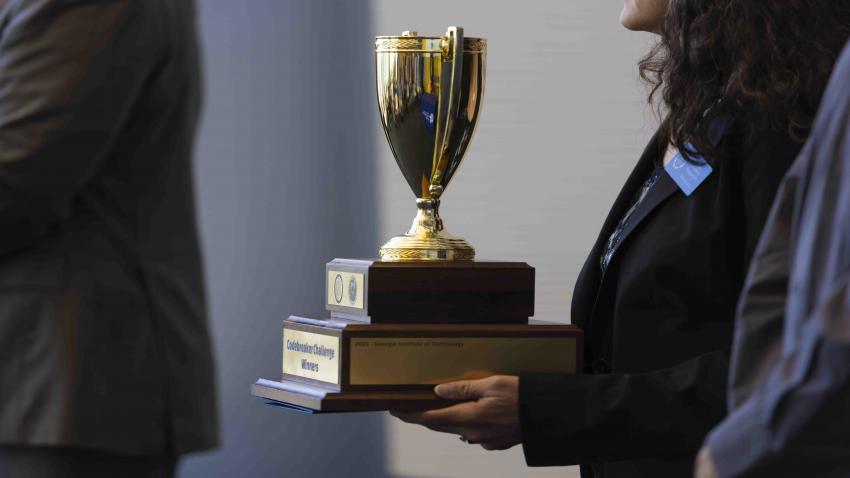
309, 399
397, 329
331, 366
456, 292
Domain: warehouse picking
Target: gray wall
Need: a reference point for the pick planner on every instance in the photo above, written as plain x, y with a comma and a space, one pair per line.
285, 172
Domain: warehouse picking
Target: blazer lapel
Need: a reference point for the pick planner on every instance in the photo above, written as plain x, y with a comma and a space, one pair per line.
662, 189
591, 279
588, 281
664, 186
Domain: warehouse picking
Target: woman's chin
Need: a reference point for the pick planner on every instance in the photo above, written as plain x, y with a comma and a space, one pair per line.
635, 19
630, 20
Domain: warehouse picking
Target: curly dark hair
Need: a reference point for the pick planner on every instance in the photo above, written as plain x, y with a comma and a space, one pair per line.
767, 59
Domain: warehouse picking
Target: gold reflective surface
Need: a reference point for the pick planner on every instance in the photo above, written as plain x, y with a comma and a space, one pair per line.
433, 360
429, 96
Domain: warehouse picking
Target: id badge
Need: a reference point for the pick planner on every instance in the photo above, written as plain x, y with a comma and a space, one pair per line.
688, 175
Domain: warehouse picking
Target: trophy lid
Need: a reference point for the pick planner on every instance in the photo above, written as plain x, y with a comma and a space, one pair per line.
411, 41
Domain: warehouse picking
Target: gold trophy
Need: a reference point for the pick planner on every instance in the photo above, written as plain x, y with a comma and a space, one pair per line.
429, 96
426, 313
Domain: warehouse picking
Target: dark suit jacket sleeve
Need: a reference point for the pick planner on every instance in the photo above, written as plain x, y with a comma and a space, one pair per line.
571, 419
758, 330
792, 412
64, 94
797, 423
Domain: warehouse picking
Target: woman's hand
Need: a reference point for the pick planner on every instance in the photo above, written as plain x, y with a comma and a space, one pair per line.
490, 418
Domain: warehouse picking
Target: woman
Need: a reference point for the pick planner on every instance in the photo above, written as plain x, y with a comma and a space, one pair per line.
740, 82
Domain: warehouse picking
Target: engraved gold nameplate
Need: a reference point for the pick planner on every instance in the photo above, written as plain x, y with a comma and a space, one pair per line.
433, 360
345, 289
310, 355
360, 356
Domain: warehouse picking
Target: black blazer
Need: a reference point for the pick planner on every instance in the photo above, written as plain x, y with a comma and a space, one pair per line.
659, 321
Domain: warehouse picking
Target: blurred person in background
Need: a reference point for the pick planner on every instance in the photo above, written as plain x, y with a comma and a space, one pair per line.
105, 360
740, 82
790, 381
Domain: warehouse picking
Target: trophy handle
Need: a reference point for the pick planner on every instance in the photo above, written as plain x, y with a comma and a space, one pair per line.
452, 57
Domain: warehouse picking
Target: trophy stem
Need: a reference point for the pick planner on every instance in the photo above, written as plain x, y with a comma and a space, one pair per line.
427, 218
427, 240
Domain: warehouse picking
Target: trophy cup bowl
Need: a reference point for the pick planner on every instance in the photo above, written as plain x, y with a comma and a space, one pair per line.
429, 97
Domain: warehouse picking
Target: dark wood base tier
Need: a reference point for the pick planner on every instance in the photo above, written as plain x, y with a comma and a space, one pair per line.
318, 400
430, 292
